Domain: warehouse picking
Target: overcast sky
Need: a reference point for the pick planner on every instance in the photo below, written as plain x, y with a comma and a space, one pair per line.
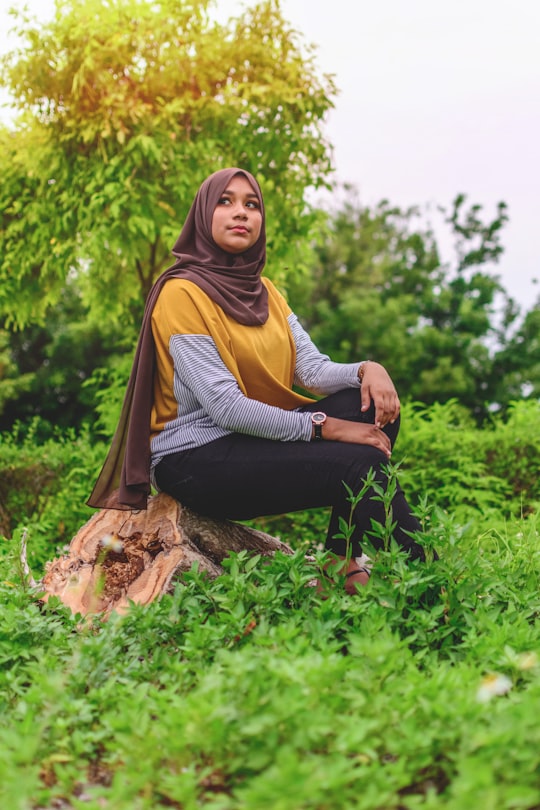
435, 99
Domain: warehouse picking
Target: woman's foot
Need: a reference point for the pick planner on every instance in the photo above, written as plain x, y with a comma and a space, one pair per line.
356, 571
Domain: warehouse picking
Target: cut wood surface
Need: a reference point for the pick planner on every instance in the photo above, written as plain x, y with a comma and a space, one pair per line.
123, 556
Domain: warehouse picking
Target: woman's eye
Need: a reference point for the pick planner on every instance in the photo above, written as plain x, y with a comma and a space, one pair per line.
248, 204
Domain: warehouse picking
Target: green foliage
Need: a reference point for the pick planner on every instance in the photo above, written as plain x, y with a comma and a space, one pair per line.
470, 472
379, 290
512, 452
110, 386
251, 691
519, 361
44, 483
371, 269
444, 460
254, 690
126, 107
50, 370
14, 385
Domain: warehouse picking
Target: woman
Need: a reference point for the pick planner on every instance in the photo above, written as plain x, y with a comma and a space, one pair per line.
211, 416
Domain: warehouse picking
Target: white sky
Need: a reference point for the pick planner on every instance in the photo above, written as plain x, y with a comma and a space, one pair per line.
435, 99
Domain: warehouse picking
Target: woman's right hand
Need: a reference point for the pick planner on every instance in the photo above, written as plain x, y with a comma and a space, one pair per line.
341, 430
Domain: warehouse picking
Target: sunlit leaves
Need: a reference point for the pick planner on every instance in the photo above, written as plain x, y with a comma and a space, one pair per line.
133, 104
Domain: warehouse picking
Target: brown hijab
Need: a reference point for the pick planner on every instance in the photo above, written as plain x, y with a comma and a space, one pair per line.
233, 282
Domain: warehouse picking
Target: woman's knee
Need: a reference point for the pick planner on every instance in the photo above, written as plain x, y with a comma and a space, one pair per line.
369, 466
343, 404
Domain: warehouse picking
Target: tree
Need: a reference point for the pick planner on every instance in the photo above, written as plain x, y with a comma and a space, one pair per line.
366, 261
518, 363
379, 289
125, 108
145, 553
49, 370
467, 318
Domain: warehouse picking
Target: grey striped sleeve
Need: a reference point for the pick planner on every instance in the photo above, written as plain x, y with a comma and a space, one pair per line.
315, 371
211, 405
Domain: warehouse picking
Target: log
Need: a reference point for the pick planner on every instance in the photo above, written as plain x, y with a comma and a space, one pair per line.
119, 557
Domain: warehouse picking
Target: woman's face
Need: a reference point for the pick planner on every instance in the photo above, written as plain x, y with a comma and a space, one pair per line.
237, 219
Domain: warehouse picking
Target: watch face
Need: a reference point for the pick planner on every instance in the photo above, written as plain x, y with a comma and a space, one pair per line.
318, 418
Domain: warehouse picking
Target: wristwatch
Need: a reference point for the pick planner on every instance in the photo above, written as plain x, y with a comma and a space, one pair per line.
317, 420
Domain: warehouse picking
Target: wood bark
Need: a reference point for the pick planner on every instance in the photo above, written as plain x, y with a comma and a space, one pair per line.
120, 557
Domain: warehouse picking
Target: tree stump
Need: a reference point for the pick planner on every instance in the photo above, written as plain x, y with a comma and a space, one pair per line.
120, 557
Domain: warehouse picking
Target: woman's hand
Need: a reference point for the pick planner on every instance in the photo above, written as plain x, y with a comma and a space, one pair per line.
378, 386
342, 430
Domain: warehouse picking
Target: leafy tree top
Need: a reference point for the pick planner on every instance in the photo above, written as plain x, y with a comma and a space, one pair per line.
125, 107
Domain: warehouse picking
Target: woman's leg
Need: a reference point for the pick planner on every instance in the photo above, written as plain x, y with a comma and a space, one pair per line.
241, 477
346, 405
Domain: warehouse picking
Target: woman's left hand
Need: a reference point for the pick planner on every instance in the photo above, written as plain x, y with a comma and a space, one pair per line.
377, 385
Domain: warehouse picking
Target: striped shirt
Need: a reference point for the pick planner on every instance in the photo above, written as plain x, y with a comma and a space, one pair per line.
216, 376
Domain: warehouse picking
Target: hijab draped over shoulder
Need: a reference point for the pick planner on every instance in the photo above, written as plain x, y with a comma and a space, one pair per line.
233, 281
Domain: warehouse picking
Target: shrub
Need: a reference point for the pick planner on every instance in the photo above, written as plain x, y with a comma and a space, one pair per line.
469, 471
44, 486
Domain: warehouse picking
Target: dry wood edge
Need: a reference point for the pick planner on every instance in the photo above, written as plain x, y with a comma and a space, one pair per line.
119, 557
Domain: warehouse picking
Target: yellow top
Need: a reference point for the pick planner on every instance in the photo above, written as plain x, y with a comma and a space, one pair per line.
261, 358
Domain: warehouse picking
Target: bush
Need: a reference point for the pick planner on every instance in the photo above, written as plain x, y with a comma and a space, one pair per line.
468, 471
251, 691
44, 486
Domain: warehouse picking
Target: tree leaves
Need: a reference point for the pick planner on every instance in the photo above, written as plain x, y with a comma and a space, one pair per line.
133, 105
380, 290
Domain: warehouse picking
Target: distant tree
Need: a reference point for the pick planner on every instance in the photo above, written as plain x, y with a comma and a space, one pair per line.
517, 365
14, 384
379, 289
46, 369
370, 274
467, 318
124, 108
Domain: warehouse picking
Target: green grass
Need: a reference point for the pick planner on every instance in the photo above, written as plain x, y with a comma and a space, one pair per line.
253, 692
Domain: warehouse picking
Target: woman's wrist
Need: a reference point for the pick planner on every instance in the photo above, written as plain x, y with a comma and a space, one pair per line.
362, 369
334, 429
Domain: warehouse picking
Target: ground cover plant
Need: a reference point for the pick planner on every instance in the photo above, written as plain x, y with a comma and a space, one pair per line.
253, 691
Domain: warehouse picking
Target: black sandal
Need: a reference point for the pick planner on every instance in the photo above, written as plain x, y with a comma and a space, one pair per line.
351, 588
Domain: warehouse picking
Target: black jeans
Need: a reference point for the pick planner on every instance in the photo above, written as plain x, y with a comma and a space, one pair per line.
241, 477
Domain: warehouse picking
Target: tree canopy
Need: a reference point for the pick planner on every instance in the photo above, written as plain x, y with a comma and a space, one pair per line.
379, 289
125, 107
